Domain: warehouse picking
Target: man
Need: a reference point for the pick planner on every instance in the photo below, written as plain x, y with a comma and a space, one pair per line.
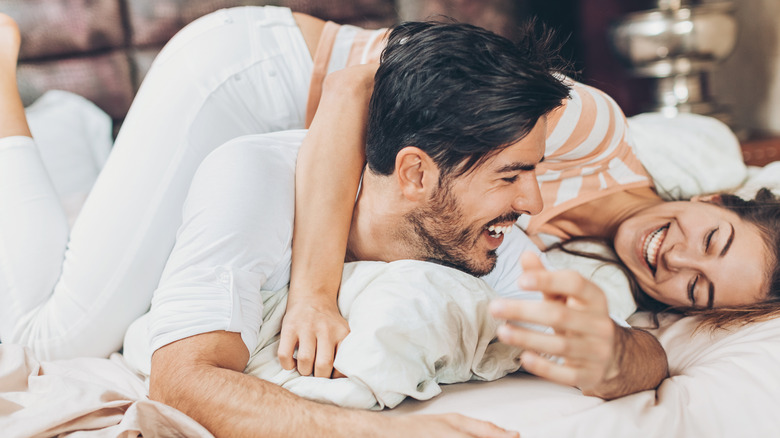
457, 128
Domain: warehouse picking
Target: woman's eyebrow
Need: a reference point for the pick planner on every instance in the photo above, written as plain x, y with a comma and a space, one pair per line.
728, 242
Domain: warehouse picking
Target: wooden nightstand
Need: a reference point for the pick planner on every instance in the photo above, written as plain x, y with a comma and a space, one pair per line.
761, 151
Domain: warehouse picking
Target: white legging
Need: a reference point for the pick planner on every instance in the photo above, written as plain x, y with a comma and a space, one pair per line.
67, 293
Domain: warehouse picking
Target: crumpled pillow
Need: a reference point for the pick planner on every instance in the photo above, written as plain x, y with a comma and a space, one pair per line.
414, 326
688, 154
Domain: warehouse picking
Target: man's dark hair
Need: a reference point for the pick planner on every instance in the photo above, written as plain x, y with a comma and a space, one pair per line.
458, 92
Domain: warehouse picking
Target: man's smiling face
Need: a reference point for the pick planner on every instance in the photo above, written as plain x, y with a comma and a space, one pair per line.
465, 218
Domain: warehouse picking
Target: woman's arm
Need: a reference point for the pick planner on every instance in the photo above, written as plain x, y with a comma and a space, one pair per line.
328, 171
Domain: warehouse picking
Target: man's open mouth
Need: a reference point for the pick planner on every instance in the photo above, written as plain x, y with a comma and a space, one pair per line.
496, 231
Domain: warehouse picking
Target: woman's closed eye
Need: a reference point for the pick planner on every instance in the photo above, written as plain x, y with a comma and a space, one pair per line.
692, 289
708, 238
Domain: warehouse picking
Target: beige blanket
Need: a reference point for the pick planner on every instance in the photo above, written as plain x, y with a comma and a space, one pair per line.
84, 397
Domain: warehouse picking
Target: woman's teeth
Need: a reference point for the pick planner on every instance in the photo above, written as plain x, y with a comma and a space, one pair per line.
497, 231
653, 244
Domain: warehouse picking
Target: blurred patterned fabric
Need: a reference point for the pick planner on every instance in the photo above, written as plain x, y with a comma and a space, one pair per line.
101, 49
499, 16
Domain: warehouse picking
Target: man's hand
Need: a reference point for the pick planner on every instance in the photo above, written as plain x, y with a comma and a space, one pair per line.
584, 337
316, 327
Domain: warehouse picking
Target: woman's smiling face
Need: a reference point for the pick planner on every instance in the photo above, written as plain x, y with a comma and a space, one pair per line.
694, 253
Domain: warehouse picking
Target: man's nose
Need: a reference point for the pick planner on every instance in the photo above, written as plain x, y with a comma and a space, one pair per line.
528, 199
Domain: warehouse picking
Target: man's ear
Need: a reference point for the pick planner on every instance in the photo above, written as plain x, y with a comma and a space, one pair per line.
416, 173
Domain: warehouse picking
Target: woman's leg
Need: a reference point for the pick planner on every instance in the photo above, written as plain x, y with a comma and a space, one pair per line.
33, 226
234, 72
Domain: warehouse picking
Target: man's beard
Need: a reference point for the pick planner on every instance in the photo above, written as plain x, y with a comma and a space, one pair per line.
440, 234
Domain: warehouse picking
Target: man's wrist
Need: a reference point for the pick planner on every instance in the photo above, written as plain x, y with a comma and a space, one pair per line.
621, 338
638, 363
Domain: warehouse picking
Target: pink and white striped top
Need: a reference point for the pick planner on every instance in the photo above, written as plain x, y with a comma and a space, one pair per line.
588, 152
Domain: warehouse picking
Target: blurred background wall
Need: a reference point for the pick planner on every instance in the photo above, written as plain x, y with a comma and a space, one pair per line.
102, 48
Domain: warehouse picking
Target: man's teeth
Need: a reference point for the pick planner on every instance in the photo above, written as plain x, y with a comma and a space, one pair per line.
653, 244
496, 231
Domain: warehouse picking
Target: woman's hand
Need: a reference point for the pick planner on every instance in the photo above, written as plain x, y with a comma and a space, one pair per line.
324, 201
583, 350
316, 327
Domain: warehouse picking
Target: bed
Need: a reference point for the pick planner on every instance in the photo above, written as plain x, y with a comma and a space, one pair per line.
722, 383
726, 384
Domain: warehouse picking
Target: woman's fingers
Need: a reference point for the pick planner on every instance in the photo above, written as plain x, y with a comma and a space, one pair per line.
287, 343
307, 348
316, 334
326, 353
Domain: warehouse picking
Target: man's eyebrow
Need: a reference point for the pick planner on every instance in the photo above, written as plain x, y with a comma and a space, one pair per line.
518, 166
728, 242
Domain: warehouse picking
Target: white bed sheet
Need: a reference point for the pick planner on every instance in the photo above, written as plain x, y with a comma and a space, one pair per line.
723, 384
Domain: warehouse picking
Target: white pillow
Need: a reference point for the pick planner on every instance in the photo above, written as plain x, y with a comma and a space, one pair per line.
688, 154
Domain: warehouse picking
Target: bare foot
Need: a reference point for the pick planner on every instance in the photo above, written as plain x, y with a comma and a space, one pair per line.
9, 43
12, 118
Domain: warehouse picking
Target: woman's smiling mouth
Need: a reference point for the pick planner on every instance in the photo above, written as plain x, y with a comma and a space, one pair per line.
652, 245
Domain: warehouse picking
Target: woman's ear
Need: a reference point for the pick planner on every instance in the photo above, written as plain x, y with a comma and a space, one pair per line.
714, 198
415, 172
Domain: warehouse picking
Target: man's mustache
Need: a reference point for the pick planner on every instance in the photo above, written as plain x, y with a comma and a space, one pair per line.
508, 217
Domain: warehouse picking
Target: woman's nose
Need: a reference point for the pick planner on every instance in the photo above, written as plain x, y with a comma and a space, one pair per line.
680, 257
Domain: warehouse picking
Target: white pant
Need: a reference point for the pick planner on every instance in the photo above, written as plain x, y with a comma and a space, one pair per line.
65, 294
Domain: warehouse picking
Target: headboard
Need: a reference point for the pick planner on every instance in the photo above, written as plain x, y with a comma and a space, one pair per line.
101, 49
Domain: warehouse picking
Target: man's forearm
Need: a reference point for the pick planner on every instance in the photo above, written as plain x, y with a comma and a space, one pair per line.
640, 364
229, 403
201, 376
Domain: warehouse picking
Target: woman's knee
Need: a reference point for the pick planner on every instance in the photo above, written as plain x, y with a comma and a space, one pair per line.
256, 168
